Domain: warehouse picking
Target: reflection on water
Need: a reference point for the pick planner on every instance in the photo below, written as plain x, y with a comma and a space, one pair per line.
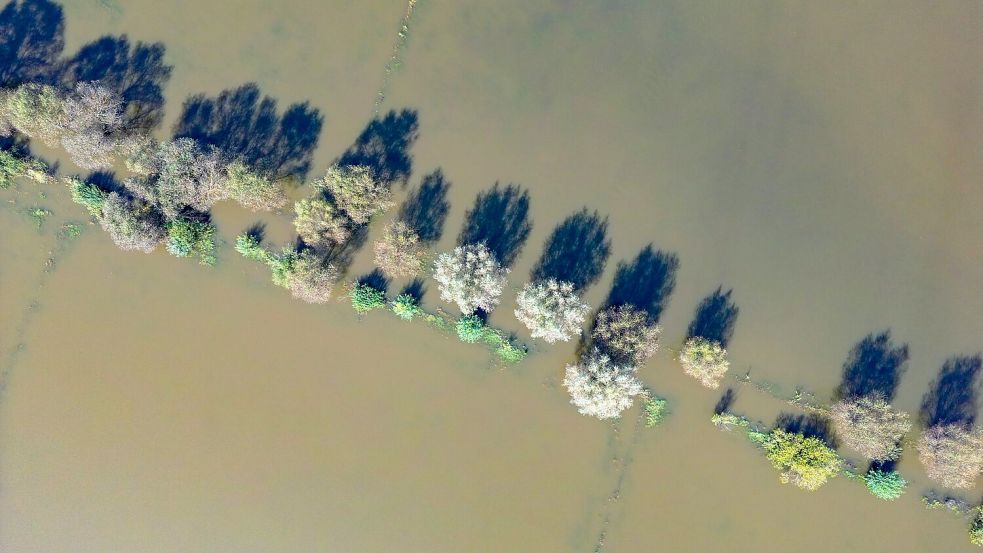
822, 160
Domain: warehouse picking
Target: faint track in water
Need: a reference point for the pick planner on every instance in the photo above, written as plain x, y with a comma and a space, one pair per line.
65, 241
396, 58
623, 463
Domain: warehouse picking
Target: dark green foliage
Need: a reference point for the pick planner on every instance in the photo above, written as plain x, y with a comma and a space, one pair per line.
187, 238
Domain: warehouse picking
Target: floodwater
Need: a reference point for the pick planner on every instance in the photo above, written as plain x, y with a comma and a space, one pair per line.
822, 159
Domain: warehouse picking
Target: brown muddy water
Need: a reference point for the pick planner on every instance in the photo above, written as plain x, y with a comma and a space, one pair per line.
823, 159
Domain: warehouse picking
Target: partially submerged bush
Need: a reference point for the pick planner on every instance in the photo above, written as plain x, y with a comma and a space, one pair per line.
365, 297
319, 223
132, 225
600, 387
305, 274
87, 195
13, 166
356, 192
253, 190
870, 426
470, 328
510, 352
470, 277
399, 253
805, 462
250, 248
551, 310
656, 410
887, 485
186, 238
405, 307
952, 455
704, 360
626, 334
976, 528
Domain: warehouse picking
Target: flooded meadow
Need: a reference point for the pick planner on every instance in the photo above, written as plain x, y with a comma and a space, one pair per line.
821, 160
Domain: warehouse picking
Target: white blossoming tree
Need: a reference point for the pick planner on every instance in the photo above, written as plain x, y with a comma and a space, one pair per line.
91, 122
601, 388
551, 310
471, 277
704, 360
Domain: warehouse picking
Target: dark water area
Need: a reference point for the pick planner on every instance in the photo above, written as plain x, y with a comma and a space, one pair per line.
795, 178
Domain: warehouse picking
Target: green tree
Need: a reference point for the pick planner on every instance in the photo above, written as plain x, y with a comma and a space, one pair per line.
186, 238
804, 462
365, 297
887, 485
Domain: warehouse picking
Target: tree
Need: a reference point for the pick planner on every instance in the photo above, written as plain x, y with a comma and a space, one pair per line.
870, 426
87, 195
551, 310
405, 307
177, 174
952, 455
470, 328
132, 225
92, 119
470, 277
35, 110
600, 387
319, 223
355, 191
626, 334
704, 360
399, 252
804, 462
255, 191
308, 276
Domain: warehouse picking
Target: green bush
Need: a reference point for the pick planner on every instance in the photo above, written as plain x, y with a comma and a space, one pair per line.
470, 328
250, 248
192, 238
887, 485
405, 307
655, 411
366, 298
12, 167
804, 462
511, 353
87, 195
976, 530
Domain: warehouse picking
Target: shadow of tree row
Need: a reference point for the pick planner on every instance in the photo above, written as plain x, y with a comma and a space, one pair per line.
576, 251
646, 282
952, 396
244, 124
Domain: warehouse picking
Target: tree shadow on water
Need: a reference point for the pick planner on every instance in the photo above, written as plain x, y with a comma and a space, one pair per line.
384, 146
500, 220
725, 401
138, 73
715, 318
375, 279
415, 289
951, 399
874, 366
425, 208
245, 125
576, 251
811, 426
646, 283
32, 36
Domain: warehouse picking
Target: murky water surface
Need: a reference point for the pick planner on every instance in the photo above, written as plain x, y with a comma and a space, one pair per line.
823, 159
